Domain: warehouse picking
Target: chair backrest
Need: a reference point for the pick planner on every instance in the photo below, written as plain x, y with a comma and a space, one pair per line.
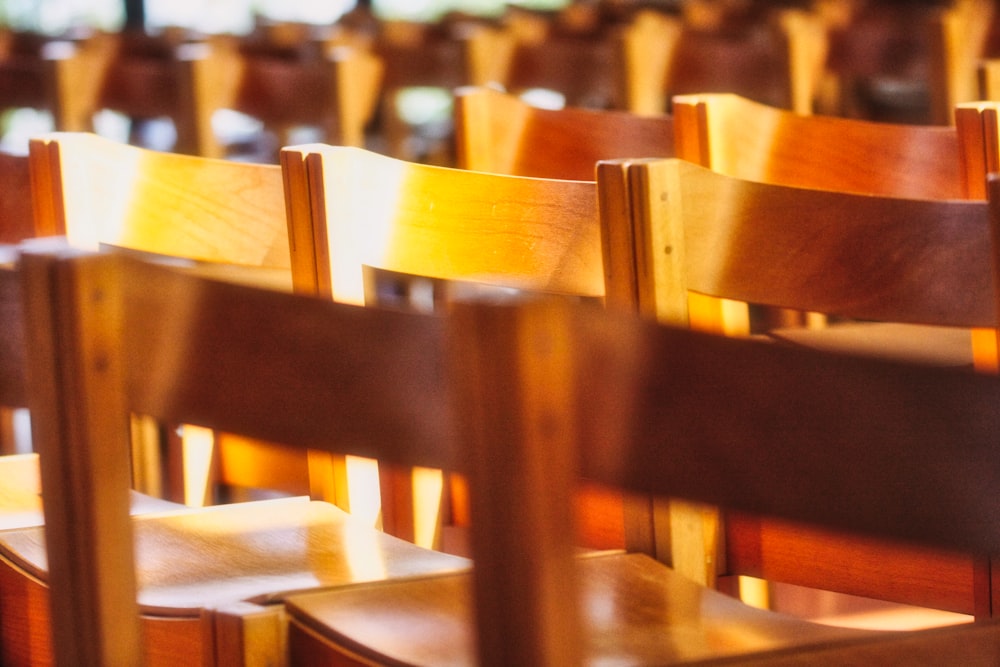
57, 75
861, 256
367, 209
909, 62
746, 139
364, 209
610, 397
133, 320
97, 191
502, 394
501, 133
676, 232
741, 138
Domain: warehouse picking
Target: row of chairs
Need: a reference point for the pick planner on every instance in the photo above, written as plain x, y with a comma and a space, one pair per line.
354, 73
324, 169
637, 385
353, 277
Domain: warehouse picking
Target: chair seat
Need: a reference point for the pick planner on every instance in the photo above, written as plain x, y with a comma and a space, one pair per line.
638, 612
191, 559
914, 343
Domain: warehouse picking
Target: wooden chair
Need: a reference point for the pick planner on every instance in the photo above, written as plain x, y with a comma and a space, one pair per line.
100, 192
915, 257
364, 209
501, 133
145, 77
724, 132
398, 358
728, 133
545, 393
22, 628
198, 570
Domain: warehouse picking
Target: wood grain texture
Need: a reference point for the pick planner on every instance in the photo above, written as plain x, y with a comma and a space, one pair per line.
445, 223
746, 139
97, 191
129, 361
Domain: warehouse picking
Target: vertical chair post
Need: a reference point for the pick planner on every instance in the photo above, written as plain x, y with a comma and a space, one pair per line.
522, 469
88, 531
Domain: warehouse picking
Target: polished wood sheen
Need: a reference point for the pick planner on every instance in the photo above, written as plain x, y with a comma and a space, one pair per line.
365, 209
527, 386
638, 612
191, 562
126, 360
746, 139
501, 133
432, 221
546, 383
103, 193
97, 191
930, 262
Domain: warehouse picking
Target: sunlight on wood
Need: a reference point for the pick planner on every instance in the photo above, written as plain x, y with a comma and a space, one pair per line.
198, 447
428, 486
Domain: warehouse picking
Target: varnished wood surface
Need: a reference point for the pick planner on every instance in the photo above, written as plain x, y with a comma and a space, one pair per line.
746, 139
97, 191
852, 443
845, 449
886, 259
189, 560
804, 555
25, 638
438, 222
637, 611
365, 209
501, 133
103, 193
637, 383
